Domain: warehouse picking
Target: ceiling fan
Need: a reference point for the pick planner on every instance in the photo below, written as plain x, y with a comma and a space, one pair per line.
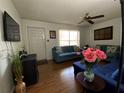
89, 18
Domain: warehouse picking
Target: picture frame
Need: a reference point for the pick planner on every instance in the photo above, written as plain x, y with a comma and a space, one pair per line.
52, 34
104, 33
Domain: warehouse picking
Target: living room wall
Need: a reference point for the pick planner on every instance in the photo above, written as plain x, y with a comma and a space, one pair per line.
6, 83
84, 32
47, 26
117, 30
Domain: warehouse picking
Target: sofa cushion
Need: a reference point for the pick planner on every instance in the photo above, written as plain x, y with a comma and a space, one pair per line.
67, 54
98, 47
76, 49
66, 49
115, 74
58, 49
107, 69
111, 51
104, 48
103, 70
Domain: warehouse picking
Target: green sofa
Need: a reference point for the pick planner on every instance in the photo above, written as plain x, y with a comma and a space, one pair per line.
110, 50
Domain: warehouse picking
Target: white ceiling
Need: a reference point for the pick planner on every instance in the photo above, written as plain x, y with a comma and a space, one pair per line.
67, 11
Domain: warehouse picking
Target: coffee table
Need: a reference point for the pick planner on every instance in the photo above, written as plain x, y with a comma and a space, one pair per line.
96, 86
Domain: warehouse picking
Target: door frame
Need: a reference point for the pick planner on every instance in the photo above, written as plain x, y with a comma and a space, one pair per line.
29, 40
121, 48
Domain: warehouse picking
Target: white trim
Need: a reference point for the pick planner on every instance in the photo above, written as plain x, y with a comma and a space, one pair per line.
44, 38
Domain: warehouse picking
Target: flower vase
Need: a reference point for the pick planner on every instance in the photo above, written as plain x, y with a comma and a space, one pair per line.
20, 87
89, 75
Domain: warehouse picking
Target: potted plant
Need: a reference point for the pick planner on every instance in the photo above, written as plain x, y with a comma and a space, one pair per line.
17, 72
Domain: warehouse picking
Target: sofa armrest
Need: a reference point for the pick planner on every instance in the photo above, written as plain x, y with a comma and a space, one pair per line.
111, 84
54, 53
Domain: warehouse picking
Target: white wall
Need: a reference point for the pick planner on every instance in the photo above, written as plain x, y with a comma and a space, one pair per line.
84, 32
117, 29
6, 83
47, 27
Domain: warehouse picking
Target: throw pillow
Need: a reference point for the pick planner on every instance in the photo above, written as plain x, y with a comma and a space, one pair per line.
58, 49
76, 49
98, 47
111, 50
115, 74
67, 49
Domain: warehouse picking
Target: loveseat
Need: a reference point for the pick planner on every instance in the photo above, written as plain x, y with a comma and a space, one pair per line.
64, 53
108, 72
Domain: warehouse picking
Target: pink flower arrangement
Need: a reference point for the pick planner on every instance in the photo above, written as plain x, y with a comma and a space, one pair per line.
91, 55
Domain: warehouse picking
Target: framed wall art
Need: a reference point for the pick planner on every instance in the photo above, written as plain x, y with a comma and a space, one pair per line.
52, 34
104, 33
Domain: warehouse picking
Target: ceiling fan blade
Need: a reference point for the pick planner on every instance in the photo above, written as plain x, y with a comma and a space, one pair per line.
94, 17
90, 21
81, 22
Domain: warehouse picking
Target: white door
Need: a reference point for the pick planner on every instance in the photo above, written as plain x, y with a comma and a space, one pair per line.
36, 38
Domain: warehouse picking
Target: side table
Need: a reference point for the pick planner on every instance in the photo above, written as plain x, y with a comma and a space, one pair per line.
96, 86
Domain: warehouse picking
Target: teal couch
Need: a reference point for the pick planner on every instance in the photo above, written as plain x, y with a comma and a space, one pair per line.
64, 53
110, 50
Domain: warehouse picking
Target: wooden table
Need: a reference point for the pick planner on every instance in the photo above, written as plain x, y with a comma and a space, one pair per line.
96, 86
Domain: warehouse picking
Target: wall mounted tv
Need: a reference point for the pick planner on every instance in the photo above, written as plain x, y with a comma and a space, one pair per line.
11, 28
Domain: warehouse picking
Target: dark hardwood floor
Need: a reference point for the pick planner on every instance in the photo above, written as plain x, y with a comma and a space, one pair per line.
56, 78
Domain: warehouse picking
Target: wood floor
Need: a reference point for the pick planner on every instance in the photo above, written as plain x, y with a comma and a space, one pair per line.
56, 78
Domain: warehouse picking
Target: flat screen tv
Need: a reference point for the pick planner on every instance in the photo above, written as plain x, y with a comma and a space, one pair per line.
11, 28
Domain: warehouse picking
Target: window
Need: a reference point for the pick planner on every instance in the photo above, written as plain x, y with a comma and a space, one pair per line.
69, 37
